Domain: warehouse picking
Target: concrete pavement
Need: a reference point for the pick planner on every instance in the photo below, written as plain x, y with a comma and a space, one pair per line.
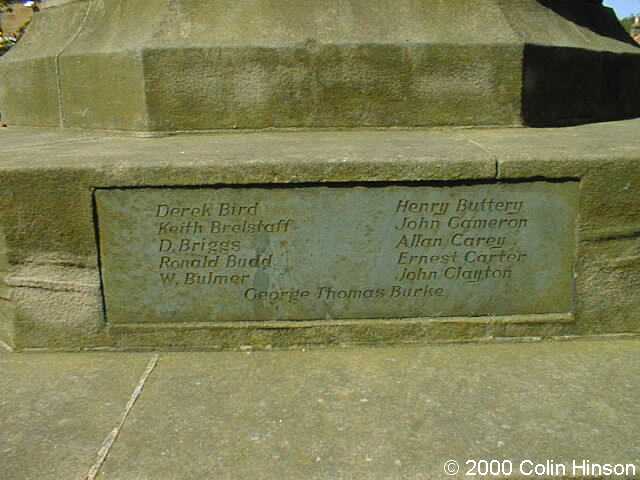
359, 413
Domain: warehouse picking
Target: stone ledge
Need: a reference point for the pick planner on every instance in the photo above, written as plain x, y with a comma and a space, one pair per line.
48, 179
284, 335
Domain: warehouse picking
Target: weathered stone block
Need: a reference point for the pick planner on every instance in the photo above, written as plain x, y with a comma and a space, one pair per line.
56, 307
51, 227
158, 66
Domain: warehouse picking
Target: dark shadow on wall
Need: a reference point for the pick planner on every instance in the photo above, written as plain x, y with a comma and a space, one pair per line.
564, 86
570, 86
593, 15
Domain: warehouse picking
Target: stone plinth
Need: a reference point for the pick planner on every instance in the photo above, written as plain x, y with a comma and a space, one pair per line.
76, 257
158, 66
349, 223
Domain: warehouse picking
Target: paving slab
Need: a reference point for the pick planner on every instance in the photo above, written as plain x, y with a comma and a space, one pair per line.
57, 409
387, 413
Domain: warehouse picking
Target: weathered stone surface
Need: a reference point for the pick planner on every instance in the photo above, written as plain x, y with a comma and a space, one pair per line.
7, 310
327, 253
382, 413
365, 413
191, 65
29, 87
46, 216
7, 324
57, 409
69, 295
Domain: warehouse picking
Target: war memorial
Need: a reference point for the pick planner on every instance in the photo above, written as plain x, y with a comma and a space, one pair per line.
325, 240
184, 177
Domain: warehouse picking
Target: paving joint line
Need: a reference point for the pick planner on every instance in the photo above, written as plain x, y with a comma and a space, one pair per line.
110, 440
5, 347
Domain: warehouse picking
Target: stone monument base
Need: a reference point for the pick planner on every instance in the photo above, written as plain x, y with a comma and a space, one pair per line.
288, 239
